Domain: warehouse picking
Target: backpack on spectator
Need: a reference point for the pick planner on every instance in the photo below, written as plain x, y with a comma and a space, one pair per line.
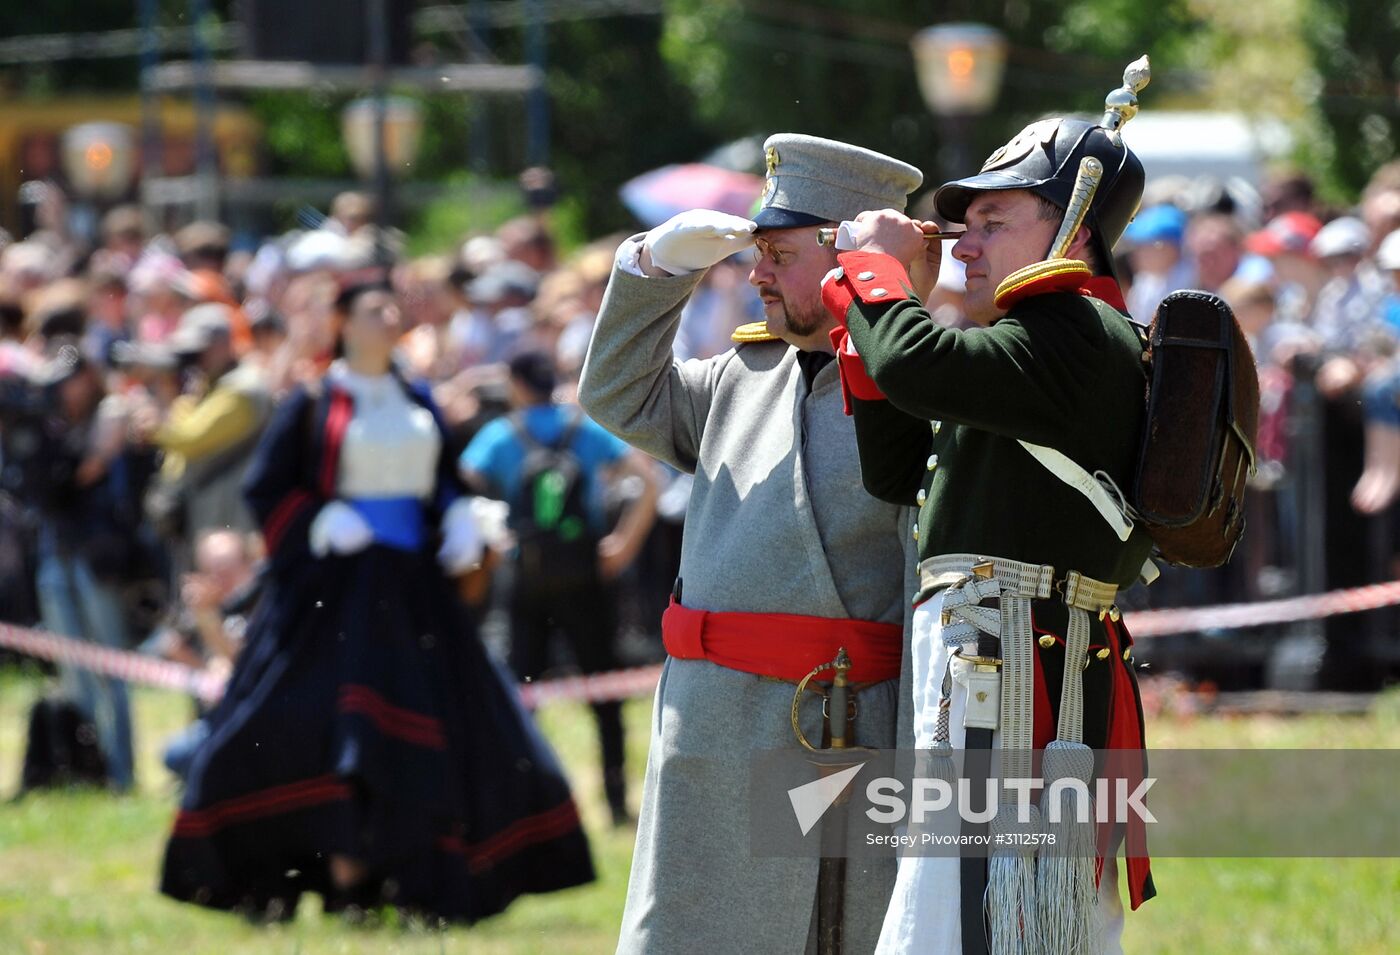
62, 748
557, 550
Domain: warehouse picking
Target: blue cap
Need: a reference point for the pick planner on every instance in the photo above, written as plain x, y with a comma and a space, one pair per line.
1164, 223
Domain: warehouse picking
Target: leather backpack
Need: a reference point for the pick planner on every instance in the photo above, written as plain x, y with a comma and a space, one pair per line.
1198, 442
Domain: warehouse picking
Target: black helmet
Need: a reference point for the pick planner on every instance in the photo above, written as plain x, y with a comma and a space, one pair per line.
1044, 158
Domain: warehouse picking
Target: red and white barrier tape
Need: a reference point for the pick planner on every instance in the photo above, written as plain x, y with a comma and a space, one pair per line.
1157, 623
149, 671
593, 688
122, 664
639, 681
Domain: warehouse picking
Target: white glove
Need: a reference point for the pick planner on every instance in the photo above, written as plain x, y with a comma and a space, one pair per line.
338, 528
461, 538
698, 239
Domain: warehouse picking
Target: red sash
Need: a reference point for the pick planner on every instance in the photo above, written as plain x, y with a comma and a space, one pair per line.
781, 645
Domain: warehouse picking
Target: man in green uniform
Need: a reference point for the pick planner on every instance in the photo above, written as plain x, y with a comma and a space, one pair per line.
984, 429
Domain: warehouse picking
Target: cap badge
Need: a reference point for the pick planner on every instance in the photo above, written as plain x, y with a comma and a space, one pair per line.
1021, 145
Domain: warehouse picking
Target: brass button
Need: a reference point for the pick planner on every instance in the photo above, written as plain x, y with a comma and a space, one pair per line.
932, 461
937, 426
1047, 641
865, 276
1103, 654
921, 497
1114, 613
1128, 655
916, 530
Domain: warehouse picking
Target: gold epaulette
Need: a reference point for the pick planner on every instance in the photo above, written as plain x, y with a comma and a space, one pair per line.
752, 332
1051, 275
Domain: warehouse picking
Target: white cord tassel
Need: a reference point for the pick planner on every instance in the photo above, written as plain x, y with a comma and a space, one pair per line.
1011, 889
1066, 896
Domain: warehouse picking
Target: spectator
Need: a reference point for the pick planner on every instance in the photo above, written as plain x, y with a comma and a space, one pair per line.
1155, 238
500, 315
84, 541
1289, 191
526, 239
1343, 302
123, 235
106, 314
352, 211
503, 461
216, 598
1298, 275
203, 245
211, 431
1215, 249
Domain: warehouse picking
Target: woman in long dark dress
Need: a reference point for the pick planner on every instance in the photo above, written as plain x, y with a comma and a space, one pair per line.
367, 747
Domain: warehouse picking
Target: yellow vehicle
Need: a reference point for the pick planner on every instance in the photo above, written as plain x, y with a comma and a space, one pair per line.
31, 134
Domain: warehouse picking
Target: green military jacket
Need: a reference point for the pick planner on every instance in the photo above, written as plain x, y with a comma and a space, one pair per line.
1060, 369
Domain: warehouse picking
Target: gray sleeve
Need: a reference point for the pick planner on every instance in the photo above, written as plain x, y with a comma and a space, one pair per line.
631, 383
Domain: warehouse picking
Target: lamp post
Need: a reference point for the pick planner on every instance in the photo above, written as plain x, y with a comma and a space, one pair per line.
99, 160
403, 134
960, 68
382, 135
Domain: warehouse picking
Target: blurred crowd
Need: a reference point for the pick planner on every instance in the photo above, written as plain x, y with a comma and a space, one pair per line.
1314, 287
139, 367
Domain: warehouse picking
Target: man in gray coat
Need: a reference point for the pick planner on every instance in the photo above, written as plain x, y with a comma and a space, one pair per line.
784, 560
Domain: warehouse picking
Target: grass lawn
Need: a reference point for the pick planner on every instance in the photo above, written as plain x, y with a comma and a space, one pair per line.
78, 870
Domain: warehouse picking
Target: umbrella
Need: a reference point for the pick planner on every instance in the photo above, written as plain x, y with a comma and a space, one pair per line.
656, 196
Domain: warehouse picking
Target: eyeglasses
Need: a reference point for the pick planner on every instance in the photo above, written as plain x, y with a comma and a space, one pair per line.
763, 248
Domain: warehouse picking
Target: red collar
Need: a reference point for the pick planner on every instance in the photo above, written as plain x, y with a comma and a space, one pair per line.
1105, 289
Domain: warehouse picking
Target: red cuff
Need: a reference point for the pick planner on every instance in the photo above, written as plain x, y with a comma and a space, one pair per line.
875, 277
855, 380
837, 296
871, 277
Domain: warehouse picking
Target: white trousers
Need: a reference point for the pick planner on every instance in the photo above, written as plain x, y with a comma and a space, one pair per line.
925, 910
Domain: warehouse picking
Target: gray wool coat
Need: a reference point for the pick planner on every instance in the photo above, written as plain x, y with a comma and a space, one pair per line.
778, 522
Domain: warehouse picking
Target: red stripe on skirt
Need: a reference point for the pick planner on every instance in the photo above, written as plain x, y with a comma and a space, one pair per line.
260, 804
519, 835
391, 720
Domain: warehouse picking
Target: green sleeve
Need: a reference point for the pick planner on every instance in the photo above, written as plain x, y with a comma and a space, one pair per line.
1020, 378
894, 447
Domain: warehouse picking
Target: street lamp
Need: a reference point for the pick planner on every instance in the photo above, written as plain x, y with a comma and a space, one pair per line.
99, 160
960, 68
403, 134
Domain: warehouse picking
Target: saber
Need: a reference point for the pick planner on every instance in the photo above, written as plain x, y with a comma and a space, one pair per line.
831, 870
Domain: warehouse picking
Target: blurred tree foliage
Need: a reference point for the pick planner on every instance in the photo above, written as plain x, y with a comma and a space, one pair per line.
55, 76
1356, 47
843, 68
632, 92
617, 109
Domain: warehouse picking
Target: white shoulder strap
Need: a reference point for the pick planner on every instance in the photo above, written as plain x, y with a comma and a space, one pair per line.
1082, 481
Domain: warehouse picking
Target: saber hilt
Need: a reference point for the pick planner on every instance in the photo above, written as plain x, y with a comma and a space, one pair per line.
836, 702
